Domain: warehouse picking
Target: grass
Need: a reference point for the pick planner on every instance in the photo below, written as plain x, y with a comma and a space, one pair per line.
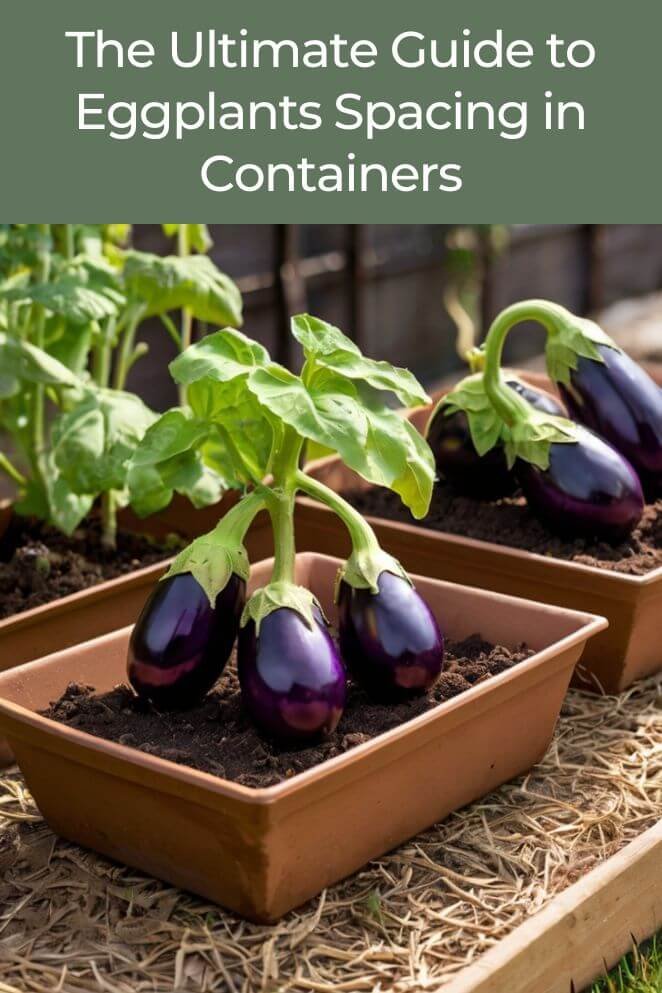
638, 972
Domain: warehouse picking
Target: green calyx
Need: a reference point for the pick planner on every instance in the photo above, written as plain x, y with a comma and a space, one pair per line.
569, 339
214, 557
364, 567
527, 434
275, 596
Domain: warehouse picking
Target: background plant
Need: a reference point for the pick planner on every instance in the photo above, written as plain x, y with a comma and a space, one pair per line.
72, 299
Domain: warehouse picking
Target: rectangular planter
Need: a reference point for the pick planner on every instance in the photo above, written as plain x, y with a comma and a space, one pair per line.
627, 651
261, 852
114, 603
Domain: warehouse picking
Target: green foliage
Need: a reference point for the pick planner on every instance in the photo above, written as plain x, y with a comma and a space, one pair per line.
638, 972
72, 298
171, 283
337, 402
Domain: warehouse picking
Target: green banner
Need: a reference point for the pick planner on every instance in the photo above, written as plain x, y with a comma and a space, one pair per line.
361, 111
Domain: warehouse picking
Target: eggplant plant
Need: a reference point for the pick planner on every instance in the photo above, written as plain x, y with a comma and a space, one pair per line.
572, 478
291, 673
72, 299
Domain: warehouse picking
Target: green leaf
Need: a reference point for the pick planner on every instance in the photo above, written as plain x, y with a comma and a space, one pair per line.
170, 459
573, 338
94, 442
23, 361
71, 346
373, 440
319, 338
73, 299
194, 282
334, 350
222, 356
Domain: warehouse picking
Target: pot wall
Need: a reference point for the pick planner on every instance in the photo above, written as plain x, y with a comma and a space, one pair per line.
262, 852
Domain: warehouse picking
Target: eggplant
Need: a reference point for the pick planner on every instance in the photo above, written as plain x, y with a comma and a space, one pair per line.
620, 402
180, 644
484, 477
293, 682
588, 490
389, 640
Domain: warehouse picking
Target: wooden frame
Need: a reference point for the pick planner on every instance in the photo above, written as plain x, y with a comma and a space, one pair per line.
582, 932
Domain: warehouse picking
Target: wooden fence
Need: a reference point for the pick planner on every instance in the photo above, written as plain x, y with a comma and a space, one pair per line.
384, 284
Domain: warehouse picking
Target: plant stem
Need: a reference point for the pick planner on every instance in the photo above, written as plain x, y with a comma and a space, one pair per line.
362, 535
239, 518
126, 347
10, 470
108, 520
39, 324
183, 250
69, 248
508, 404
280, 504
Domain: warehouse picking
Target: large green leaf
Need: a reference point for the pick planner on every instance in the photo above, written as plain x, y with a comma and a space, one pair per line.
170, 283
369, 437
222, 356
169, 459
23, 361
334, 350
73, 298
94, 442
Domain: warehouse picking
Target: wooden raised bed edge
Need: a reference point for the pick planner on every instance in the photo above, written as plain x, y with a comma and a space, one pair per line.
582, 932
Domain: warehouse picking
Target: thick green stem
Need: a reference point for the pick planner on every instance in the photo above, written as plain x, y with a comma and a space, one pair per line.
508, 404
362, 535
280, 504
183, 250
236, 522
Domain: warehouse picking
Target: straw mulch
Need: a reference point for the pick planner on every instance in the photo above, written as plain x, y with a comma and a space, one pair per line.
70, 921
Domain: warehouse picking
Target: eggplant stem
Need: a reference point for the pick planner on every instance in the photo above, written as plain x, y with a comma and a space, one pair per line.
508, 404
362, 535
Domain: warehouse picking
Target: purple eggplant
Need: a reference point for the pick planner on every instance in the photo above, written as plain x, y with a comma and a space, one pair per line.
390, 640
486, 477
588, 490
180, 644
292, 679
621, 403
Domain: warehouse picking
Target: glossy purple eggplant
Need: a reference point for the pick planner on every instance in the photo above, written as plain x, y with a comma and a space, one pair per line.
486, 477
293, 682
588, 490
621, 403
390, 640
180, 645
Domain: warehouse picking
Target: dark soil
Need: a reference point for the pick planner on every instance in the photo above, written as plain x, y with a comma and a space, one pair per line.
217, 737
38, 564
510, 522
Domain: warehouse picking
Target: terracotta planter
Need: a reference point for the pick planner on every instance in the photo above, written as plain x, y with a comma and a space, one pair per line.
261, 852
115, 603
627, 651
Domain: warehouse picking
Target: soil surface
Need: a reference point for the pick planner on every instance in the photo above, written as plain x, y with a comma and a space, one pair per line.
217, 737
38, 564
510, 522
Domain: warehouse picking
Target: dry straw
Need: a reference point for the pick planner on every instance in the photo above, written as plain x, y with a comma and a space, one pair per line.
70, 921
